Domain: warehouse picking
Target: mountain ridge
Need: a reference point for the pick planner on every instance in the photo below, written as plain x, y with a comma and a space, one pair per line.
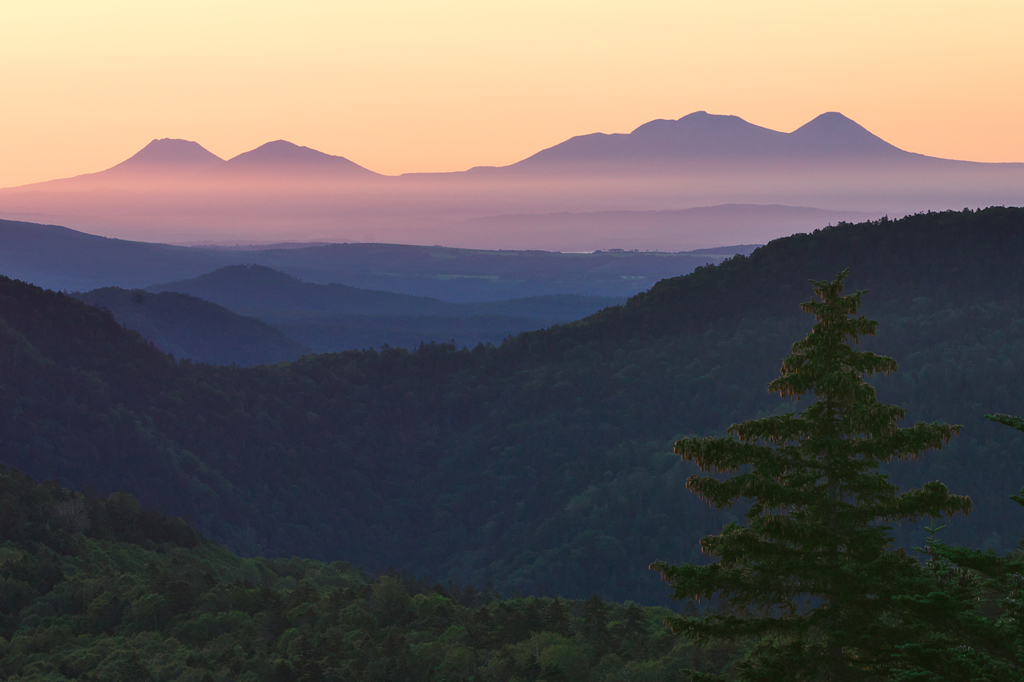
730, 136
712, 138
58, 257
283, 155
169, 153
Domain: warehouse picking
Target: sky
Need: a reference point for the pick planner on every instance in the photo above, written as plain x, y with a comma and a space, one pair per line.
414, 85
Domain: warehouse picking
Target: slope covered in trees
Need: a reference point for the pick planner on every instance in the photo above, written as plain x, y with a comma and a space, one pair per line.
189, 327
544, 464
102, 589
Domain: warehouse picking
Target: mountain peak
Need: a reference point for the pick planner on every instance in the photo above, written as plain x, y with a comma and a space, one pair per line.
697, 123
170, 154
833, 133
282, 154
703, 140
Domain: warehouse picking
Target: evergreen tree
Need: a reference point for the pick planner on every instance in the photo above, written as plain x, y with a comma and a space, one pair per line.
980, 598
811, 576
556, 618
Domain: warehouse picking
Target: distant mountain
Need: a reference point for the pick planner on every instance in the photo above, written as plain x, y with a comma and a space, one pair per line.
335, 317
59, 258
712, 141
284, 158
192, 328
285, 192
834, 136
258, 288
169, 155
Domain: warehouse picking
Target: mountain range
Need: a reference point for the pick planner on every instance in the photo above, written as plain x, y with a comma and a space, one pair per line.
174, 190
706, 138
260, 289
335, 317
61, 258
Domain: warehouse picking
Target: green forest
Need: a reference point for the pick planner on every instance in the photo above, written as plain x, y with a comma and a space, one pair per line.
99, 588
810, 586
542, 466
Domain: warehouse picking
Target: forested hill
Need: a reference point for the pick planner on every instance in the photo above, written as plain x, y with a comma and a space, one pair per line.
102, 589
189, 327
543, 464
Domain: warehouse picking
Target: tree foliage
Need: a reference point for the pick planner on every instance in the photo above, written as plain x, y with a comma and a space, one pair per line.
812, 573
129, 595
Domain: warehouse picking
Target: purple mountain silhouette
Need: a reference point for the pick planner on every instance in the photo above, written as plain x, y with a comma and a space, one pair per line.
281, 156
711, 139
169, 154
832, 134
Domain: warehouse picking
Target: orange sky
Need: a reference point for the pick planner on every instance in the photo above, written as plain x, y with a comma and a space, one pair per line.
407, 85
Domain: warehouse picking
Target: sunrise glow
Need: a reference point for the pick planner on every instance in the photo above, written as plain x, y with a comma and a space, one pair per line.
401, 86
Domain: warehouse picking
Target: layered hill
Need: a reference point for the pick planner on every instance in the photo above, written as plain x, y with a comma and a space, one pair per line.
544, 464
56, 257
189, 327
335, 317
259, 288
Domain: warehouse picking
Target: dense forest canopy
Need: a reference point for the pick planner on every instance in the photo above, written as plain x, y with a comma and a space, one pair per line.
544, 464
102, 589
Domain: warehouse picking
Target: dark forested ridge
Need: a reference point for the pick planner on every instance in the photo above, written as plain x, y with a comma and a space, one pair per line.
189, 327
102, 589
544, 464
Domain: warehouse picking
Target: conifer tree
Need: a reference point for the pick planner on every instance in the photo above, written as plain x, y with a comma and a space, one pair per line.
811, 576
979, 597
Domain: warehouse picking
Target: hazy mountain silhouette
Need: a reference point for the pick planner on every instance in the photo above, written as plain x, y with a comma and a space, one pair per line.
281, 156
175, 191
60, 258
714, 140
833, 135
334, 317
256, 287
169, 155
264, 292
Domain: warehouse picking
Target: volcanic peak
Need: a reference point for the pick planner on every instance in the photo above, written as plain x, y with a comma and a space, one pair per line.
170, 153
